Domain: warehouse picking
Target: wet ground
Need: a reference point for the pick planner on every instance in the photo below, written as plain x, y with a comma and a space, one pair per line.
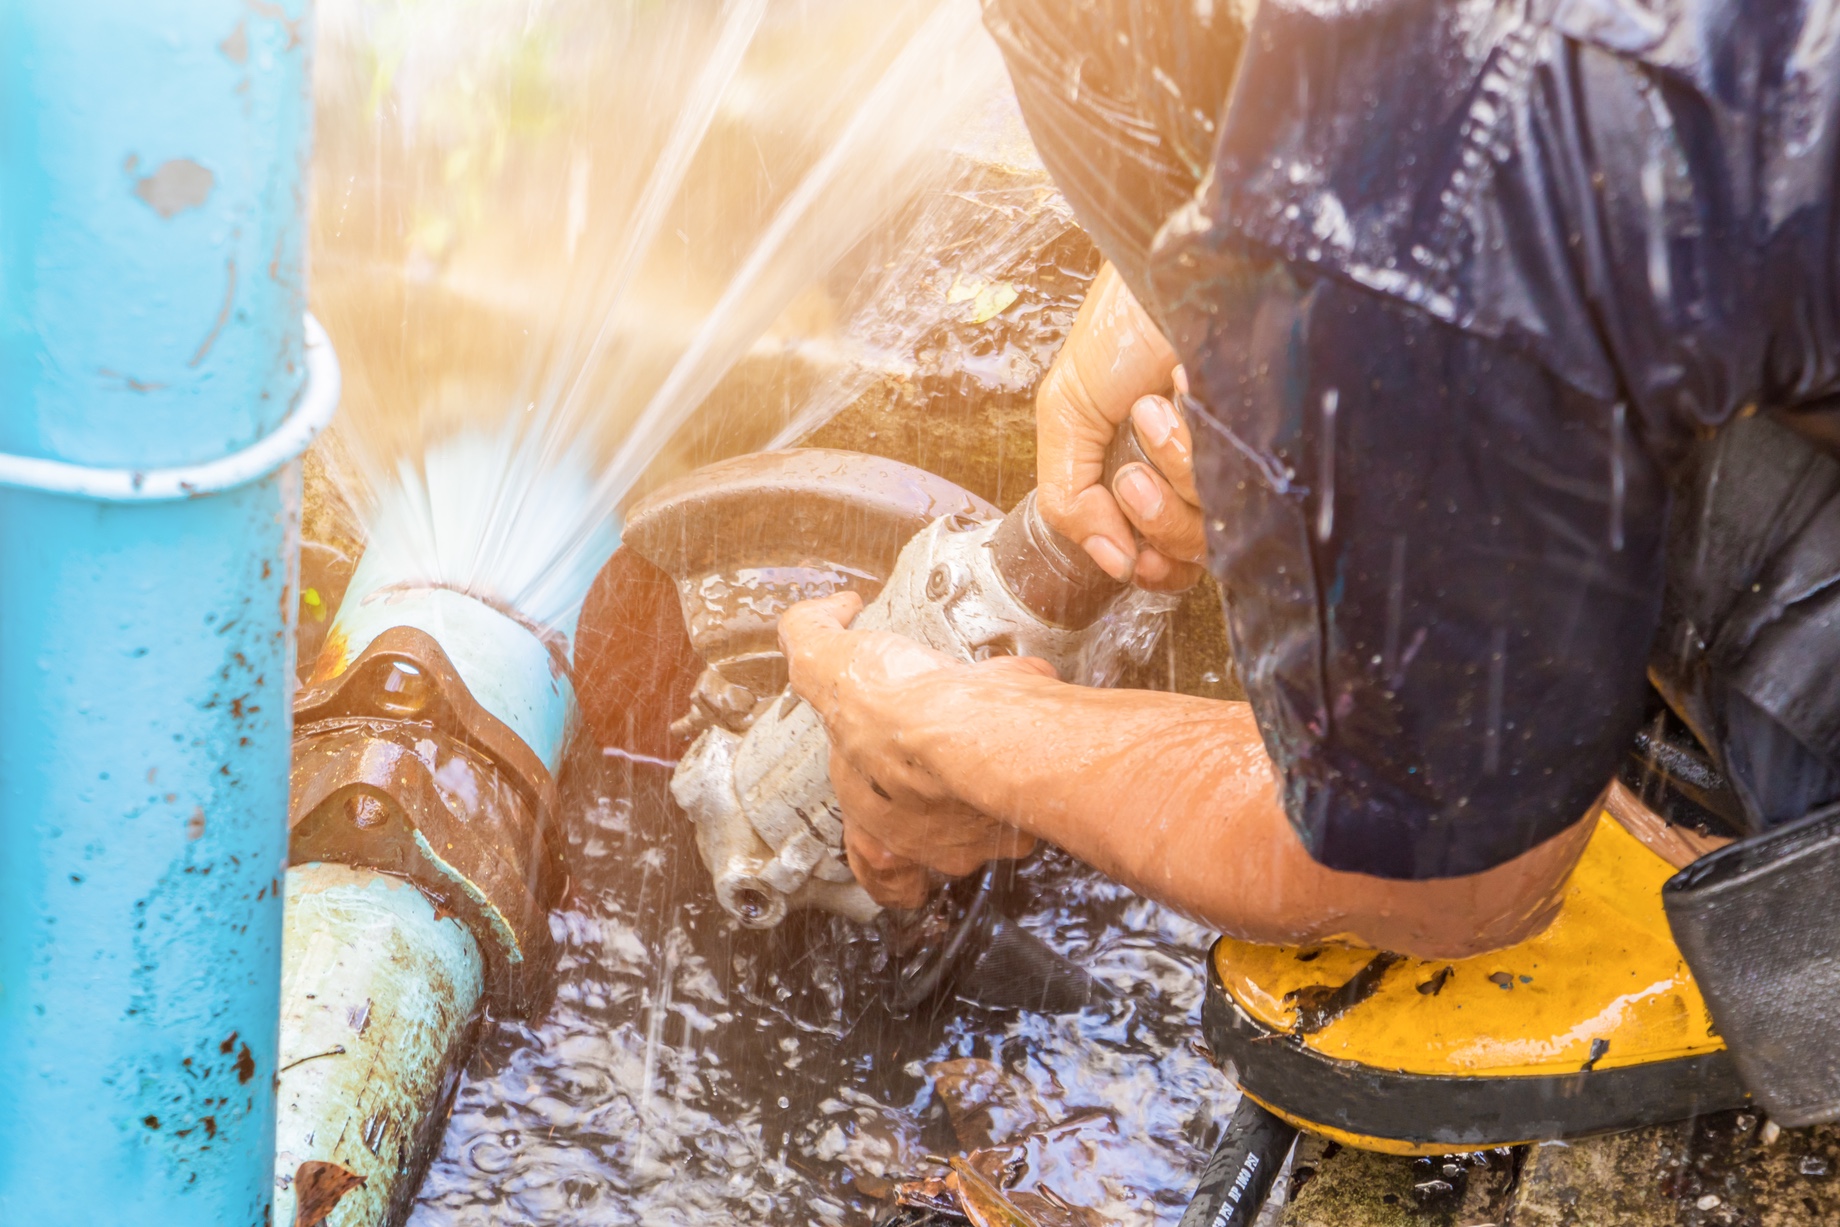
691, 1071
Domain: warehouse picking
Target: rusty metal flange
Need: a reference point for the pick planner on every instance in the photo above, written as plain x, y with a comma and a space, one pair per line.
397, 768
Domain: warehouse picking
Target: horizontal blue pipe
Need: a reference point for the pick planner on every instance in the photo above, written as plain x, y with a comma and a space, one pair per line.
151, 293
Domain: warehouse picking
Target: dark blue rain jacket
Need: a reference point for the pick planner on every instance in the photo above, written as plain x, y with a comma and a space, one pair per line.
1513, 337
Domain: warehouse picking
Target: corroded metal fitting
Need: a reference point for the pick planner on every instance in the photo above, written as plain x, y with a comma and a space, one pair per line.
397, 767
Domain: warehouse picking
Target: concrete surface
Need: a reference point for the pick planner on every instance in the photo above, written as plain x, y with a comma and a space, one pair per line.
1725, 1170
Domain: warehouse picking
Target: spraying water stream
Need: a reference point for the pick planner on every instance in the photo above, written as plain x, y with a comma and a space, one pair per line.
619, 358
558, 242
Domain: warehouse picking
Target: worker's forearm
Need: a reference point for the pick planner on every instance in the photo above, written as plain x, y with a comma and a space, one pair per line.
1175, 797
1113, 779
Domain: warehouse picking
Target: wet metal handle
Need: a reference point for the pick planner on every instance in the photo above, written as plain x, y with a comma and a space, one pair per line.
1050, 574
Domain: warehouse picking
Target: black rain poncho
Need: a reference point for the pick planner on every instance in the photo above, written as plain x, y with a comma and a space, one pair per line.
1469, 292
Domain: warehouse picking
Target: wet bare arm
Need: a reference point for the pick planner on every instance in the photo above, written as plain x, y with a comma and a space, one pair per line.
945, 765
942, 766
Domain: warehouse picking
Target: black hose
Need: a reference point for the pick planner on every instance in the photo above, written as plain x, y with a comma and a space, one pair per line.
984, 956
1238, 1176
920, 976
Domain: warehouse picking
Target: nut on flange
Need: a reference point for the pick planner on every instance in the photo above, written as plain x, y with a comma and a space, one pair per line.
398, 768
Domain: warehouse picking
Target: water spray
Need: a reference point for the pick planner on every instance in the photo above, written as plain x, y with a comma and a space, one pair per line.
429, 734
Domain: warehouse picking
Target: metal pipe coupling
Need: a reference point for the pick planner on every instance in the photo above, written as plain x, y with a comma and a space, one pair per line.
426, 746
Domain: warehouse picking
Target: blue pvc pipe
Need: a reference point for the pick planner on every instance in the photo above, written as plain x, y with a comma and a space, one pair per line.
151, 292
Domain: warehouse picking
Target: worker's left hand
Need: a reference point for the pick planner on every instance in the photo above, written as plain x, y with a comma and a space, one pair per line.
875, 691
1116, 364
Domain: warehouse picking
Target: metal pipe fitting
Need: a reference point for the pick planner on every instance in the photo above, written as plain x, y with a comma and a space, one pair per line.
429, 736
430, 732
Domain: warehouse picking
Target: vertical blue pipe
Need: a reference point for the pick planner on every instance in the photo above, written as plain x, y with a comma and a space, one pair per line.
151, 290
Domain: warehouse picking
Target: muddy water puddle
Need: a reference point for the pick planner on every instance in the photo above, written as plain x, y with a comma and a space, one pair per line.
691, 1071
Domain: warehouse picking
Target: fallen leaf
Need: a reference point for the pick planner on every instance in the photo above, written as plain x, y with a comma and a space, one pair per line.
984, 1205
963, 290
318, 1187
988, 299
992, 301
1048, 1210
987, 1105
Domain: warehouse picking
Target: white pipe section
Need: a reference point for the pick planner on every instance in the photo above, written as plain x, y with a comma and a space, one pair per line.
377, 996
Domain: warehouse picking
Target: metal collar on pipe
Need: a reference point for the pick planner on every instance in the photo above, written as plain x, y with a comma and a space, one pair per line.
319, 400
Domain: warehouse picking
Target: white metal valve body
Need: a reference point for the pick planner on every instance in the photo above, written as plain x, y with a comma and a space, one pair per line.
768, 822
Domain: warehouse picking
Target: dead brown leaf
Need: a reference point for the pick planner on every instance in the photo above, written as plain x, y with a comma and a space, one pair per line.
987, 1105
318, 1187
984, 1205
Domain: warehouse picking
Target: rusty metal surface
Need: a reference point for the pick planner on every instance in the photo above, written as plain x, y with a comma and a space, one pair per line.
509, 670
407, 799
397, 768
431, 691
635, 666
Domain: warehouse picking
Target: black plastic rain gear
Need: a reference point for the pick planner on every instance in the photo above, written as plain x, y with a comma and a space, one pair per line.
1470, 294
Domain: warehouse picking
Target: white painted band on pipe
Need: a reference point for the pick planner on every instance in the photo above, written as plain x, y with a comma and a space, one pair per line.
319, 400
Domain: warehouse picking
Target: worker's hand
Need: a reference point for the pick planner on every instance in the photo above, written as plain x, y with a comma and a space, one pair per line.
1116, 363
870, 687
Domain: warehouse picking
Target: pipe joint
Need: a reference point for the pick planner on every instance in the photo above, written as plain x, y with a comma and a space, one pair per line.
398, 768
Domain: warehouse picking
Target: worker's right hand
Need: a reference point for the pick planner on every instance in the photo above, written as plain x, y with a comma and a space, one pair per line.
881, 695
1116, 363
